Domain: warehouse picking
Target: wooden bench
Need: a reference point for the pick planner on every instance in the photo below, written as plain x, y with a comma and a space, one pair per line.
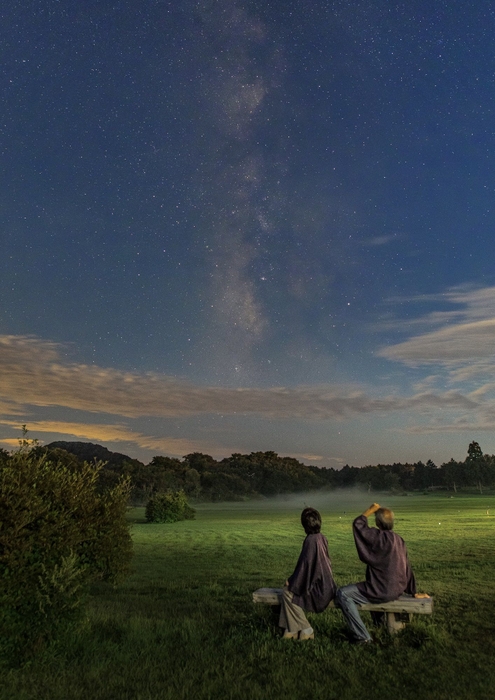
398, 612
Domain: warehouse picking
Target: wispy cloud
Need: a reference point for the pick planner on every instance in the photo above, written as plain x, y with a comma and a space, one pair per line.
457, 346
457, 343
36, 373
462, 425
462, 339
10, 408
33, 373
313, 458
115, 433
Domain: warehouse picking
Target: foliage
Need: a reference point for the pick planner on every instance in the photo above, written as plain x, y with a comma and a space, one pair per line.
169, 507
245, 476
90, 452
58, 534
474, 452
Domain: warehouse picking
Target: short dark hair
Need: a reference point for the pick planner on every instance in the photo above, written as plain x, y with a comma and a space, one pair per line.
384, 519
311, 521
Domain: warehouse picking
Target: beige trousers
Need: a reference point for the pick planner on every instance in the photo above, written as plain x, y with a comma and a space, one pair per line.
292, 617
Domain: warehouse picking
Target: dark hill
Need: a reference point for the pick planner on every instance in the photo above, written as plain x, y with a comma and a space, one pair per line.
89, 452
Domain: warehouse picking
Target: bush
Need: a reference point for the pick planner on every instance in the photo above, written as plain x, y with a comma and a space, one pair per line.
169, 507
57, 536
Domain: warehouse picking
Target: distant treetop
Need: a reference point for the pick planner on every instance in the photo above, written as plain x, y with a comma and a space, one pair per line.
474, 452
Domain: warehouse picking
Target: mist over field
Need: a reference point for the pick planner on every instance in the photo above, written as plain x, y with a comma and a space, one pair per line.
327, 502
338, 509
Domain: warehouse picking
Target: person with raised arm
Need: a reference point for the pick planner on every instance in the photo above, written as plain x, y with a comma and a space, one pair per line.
311, 586
388, 571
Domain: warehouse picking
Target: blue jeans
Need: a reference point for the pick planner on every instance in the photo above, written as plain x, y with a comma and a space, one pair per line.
346, 599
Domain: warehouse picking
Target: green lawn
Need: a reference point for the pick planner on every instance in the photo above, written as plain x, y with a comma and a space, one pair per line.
183, 624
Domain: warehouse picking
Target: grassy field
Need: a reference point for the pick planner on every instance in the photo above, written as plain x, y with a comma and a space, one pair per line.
183, 624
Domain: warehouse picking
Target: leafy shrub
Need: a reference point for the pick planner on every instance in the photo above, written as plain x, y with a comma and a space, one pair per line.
169, 507
58, 534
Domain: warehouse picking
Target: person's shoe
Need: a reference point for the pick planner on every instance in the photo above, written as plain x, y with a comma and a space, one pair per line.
289, 635
303, 636
355, 640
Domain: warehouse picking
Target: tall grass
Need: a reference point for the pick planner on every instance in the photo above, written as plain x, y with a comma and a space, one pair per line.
183, 625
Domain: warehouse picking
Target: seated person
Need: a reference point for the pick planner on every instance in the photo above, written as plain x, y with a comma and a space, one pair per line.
311, 587
388, 572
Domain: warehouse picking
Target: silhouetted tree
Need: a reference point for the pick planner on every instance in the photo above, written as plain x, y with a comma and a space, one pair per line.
474, 452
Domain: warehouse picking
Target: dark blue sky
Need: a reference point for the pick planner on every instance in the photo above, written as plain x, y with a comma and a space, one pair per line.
238, 226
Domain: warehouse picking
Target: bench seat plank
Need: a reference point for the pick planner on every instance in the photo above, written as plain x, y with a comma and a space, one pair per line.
404, 604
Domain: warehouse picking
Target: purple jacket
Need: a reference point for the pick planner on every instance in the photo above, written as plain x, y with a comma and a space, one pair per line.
388, 572
312, 582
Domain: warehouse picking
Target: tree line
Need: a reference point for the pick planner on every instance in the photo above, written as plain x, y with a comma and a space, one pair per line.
245, 476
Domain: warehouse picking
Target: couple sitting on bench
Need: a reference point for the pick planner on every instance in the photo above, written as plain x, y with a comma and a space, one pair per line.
311, 587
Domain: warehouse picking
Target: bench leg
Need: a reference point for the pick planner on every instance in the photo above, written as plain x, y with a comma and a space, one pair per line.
396, 621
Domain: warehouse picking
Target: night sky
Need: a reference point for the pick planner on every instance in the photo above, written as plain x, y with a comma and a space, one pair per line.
233, 226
